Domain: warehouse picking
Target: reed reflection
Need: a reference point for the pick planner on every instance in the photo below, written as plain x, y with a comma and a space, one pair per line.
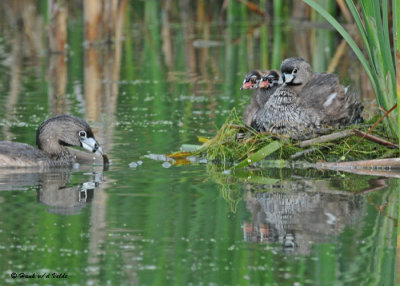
23, 26
57, 63
57, 76
103, 52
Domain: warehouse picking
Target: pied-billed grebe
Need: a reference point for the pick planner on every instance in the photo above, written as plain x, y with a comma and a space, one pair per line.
251, 79
307, 103
52, 137
265, 83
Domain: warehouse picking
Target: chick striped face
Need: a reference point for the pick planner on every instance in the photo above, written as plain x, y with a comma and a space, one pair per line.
251, 80
269, 79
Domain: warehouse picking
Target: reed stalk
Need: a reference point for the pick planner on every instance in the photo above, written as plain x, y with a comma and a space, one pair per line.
396, 43
373, 25
264, 39
277, 32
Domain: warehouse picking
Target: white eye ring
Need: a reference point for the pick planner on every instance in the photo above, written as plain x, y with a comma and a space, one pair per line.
82, 134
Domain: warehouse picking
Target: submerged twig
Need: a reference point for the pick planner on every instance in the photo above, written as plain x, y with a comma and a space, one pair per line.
364, 167
375, 163
366, 172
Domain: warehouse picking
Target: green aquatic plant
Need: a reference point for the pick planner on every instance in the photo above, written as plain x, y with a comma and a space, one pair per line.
237, 146
234, 143
380, 64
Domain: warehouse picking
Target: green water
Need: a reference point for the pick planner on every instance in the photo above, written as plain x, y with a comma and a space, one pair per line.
162, 224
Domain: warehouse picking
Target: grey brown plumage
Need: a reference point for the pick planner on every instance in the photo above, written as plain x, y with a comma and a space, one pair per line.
307, 103
260, 94
52, 138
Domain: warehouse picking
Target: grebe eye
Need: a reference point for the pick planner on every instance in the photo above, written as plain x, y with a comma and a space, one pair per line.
82, 134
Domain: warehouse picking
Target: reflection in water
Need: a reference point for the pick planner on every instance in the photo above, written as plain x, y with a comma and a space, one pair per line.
57, 27
24, 31
297, 216
63, 199
54, 187
294, 210
57, 74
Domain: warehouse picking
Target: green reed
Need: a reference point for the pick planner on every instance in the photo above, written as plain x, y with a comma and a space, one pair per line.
277, 35
379, 63
323, 40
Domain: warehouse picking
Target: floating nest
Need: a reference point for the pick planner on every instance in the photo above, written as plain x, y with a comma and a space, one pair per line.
235, 143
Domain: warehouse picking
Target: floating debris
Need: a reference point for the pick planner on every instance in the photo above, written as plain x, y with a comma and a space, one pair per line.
166, 164
156, 157
133, 165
